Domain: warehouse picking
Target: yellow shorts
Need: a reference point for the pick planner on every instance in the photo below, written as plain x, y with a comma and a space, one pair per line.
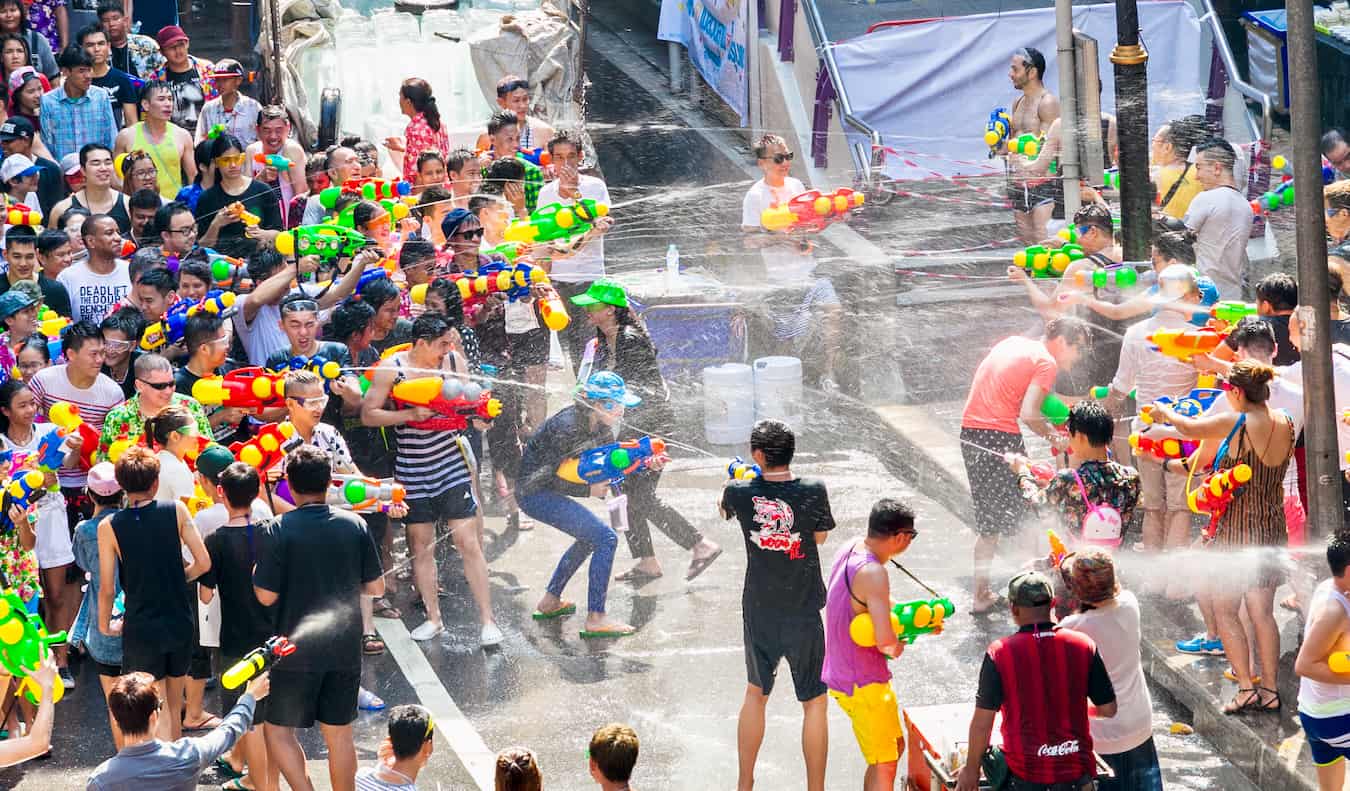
876, 721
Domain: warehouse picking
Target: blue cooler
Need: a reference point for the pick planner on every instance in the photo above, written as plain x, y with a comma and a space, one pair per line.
1268, 54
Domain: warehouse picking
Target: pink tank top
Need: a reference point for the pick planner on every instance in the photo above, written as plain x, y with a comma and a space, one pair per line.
848, 664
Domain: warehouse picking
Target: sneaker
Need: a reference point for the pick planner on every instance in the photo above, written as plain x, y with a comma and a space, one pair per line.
1200, 644
491, 635
427, 631
67, 679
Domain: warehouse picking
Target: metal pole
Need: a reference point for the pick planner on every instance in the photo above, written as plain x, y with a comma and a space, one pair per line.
1068, 107
752, 66
673, 50
274, 17
583, 18
1319, 433
1131, 70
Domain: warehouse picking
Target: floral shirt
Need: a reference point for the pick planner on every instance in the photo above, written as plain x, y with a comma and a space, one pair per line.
18, 565
42, 18
125, 420
420, 137
1107, 483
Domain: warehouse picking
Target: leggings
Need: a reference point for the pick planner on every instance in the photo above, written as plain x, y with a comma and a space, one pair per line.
591, 534
645, 509
503, 433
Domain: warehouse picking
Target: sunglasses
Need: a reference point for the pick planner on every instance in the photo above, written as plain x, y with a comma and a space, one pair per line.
160, 386
300, 306
779, 159
229, 160
474, 234
514, 85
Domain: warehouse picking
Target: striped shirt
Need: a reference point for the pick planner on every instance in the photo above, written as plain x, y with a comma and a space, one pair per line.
51, 385
69, 124
428, 463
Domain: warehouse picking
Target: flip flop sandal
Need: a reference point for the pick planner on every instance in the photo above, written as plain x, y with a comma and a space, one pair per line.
381, 608
602, 634
205, 725
235, 784
701, 565
637, 575
568, 608
223, 766
369, 643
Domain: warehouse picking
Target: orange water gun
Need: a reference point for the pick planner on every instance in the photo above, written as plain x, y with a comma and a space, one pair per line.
1215, 493
811, 210
66, 416
242, 214
1185, 344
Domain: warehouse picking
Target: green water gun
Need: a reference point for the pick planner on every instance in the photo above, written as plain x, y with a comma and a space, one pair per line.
24, 643
1054, 410
326, 241
921, 616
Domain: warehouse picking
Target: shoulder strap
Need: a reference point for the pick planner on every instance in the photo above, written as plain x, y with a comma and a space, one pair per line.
1223, 446
1176, 185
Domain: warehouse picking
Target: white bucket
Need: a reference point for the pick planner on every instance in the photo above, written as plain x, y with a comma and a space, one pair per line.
778, 390
728, 404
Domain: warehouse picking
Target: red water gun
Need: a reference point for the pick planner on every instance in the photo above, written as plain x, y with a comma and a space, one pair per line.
19, 214
66, 416
456, 402
269, 446
1215, 493
244, 388
1162, 448
811, 210
373, 188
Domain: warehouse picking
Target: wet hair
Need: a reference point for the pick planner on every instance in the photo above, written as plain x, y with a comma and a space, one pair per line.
501, 120
1177, 246
457, 159
1091, 419
75, 336
776, 440
1032, 59
196, 268
152, 87
241, 484
160, 279
418, 92
1253, 379
263, 263
309, 470
11, 388
127, 320
349, 318
133, 698
1279, 289
302, 378
201, 328
1071, 329
890, 517
410, 727
505, 171
1218, 150
765, 142
137, 469
454, 301
365, 212
1254, 334
479, 202
20, 234
50, 240
614, 749
428, 327
1337, 195
1330, 139
428, 156
1338, 552
74, 57
416, 252
161, 427
518, 770
224, 143
379, 292
565, 137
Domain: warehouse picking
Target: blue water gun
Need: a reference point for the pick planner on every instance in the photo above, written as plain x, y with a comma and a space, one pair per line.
521, 277
1193, 404
611, 463
51, 451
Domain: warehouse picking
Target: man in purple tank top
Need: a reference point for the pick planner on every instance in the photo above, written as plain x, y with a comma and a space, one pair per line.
857, 674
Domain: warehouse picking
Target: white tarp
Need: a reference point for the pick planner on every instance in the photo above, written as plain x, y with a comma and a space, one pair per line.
929, 87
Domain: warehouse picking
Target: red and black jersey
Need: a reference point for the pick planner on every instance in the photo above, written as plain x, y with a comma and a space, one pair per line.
1042, 678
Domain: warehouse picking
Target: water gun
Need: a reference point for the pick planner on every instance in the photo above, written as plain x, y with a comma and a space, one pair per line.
172, 327
51, 451
1184, 344
242, 214
909, 620
119, 446
326, 241
24, 643
320, 366
355, 493
1121, 277
741, 470
1028, 145
556, 221
276, 161
539, 157
1193, 404
257, 662
611, 463
454, 401
1041, 261
1100, 392
1057, 549
1275, 199
244, 388
372, 188
811, 211
24, 488
215, 131
997, 128
507, 250
554, 312
19, 214
513, 279
1339, 662
1054, 410
268, 447
128, 248
1162, 449
199, 500
66, 416
1111, 179
1215, 493
230, 273
1232, 311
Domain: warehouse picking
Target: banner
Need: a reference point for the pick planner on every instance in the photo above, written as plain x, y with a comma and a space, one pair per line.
714, 34
928, 87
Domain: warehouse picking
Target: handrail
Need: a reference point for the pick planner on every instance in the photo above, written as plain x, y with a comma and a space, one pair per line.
1243, 87
862, 160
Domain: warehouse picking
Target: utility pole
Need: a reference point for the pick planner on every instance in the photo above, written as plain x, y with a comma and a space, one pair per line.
1324, 485
1131, 70
1069, 116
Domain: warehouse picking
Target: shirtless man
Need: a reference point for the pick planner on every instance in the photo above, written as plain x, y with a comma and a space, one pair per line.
1032, 195
1323, 693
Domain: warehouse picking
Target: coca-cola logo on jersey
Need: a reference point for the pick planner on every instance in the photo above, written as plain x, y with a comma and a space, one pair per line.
1054, 750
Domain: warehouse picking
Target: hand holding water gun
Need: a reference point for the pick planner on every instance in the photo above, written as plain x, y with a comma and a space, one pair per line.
455, 402
612, 463
320, 366
257, 662
812, 210
66, 416
556, 221
173, 326
253, 389
1215, 493
356, 493
25, 645
242, 214
327, 242
909, 619
997, 128
515, 280
1184, 344
1193, 404
269, 446
741, 470
1041, 261
199, 500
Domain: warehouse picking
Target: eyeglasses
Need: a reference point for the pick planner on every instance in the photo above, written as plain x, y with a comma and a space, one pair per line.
477, 233
116, 346
779, 159
160, 386
300, 306
188, 231
228, 160
319, 401
514, 85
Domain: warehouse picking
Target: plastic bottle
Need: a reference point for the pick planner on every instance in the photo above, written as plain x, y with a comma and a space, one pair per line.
672, 269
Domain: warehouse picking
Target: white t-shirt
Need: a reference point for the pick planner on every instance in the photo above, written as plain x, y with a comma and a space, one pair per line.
1115, 630
92, 296
367, 779
786, 263
264, 335
1151, 373
175, 479
587, 262
53, 547
51, 385
1222, 221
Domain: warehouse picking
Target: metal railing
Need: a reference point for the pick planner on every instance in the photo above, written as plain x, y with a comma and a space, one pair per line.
1246, 89
862, 154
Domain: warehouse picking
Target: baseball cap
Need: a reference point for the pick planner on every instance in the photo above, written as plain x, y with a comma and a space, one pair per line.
12, 302
452, 220
213, 460
17, 166
170, 35
228, 67
603, 292
607, 385
103, 479
16, 127
70, 163
21, 76
1030, 589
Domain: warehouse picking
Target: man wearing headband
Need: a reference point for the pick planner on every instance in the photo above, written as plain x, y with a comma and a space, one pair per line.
257, 314
1033, 110
412, 737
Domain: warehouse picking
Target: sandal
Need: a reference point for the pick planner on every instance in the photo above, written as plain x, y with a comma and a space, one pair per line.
601, 634
372, 645
235, 784
1265, 703
223, 766
636, 574
567, 608
381, 608
700, 565
207, 724
1252, 703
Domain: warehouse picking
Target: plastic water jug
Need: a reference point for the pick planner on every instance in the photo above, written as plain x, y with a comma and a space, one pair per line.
778, 390
728, 404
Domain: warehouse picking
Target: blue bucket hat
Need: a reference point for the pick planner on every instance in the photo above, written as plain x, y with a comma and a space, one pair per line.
452, 220
13, 301
607, 385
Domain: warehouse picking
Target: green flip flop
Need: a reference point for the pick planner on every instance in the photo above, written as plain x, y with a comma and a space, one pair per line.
567, 609
606, 633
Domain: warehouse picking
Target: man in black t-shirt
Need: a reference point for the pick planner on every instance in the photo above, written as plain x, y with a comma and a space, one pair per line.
208, 345
316, 564
783, 519
121, 90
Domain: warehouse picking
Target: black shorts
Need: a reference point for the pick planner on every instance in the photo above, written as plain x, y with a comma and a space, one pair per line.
529, 348
229, 697
457, 502
999, 506
1026, 196
799, 639
377, 525
199, 666
112, 671
156, 659
300, 697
